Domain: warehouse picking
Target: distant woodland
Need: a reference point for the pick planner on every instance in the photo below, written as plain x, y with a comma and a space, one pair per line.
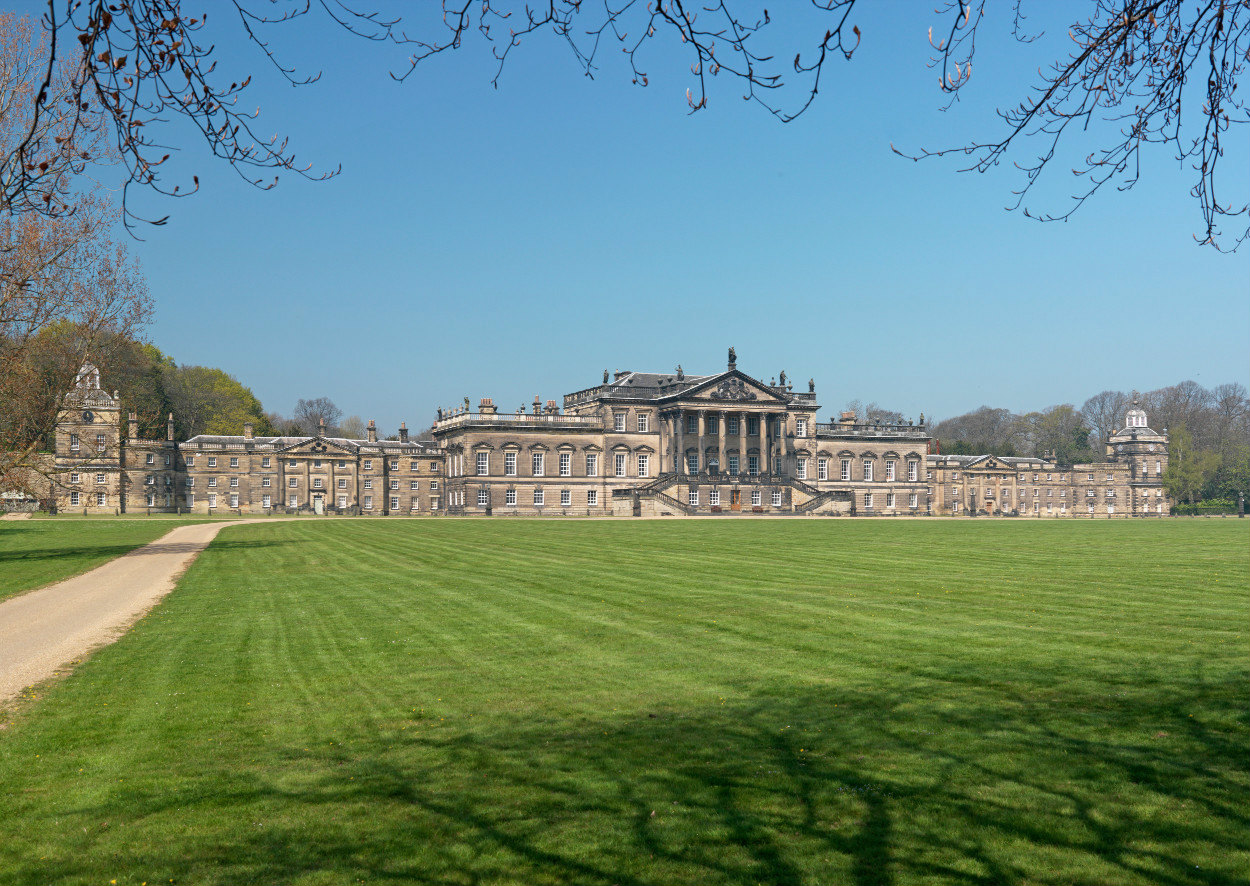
202, 399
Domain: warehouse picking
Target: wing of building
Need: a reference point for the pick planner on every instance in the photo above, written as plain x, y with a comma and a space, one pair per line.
639, 443
101, 469
1127, 482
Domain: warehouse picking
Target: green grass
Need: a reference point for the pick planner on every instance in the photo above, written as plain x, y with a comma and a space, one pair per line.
140, 516
739, 702
34, 553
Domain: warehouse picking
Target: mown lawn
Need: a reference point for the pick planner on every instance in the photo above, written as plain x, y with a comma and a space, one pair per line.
37, 552
741, 702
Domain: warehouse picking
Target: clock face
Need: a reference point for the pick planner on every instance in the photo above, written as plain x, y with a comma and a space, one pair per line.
87, 416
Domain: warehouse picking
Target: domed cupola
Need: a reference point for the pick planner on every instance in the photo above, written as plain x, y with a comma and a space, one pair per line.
1136, 416
87, 391
1136, 434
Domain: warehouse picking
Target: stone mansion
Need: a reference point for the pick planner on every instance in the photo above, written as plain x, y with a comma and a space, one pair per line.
640, 444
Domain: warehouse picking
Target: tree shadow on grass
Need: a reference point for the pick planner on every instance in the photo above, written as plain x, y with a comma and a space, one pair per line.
797, 785
65, 551
110, 552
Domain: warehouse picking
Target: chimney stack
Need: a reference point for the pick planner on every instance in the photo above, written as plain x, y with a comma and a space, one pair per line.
321, 426
248, 430
551, 407
537, 405
372, 431
403, 432
848, 418
487, 406
169, 427
132, 427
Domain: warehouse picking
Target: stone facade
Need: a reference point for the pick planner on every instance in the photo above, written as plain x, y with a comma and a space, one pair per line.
88, 472
98, 469
671, 443
153, 471
640, 444
320, 475
1129, 482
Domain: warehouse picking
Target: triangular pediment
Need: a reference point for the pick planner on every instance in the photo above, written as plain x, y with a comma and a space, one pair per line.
734, 387
318, 446
988, 463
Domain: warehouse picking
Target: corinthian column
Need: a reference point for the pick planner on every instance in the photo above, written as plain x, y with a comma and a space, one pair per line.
663, 442
681, 441
787, 445
702, 433
742, 442
764, 453
720, 439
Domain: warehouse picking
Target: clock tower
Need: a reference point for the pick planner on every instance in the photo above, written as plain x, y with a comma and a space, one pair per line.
88, 446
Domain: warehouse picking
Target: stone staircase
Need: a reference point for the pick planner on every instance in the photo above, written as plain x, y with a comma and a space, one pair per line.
656, 491
818, 499
672, 503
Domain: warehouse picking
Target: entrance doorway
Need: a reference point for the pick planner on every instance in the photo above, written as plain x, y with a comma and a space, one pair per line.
319, 504
735, 500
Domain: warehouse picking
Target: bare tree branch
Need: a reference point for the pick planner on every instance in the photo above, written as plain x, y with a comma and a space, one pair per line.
133, 66
1132, 66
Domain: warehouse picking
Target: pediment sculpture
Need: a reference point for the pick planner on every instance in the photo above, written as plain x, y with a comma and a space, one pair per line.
733, 389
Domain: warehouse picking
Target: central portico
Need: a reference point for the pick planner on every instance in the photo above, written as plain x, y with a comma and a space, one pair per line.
698, 439
712, 426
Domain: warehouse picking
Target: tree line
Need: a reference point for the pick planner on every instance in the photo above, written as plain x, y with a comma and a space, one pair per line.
1209, 430
153, 386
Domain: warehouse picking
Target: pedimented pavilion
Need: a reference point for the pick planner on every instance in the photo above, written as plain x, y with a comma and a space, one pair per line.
657, 443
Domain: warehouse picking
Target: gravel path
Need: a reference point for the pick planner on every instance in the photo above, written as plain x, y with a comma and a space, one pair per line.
43, 631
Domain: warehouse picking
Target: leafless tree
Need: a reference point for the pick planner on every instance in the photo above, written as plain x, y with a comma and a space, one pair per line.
1147, 72
1104, 412
66, 291
47, 139
875, 413
882, 416
1231, 415
139, 65
310, 414
353, 428
1185, 403
1060, 432
988, 429
283, 426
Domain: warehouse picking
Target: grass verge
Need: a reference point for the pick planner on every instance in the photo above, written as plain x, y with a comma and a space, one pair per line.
651, 703
34, 553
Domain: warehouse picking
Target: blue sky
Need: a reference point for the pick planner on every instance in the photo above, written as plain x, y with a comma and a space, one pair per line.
516, 242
